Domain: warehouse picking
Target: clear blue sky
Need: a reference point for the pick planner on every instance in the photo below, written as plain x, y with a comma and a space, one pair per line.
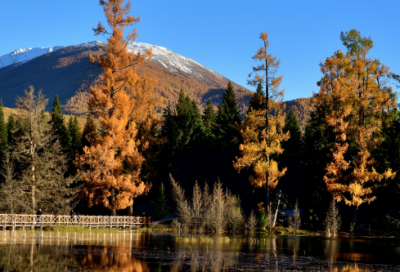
222, 35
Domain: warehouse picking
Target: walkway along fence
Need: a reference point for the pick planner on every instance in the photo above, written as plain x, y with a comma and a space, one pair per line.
36, 221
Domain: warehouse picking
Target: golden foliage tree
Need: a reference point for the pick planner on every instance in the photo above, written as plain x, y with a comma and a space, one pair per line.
262, 131
357, 100
112, 165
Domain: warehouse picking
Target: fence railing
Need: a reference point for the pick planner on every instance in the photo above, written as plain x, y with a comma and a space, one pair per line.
26, 220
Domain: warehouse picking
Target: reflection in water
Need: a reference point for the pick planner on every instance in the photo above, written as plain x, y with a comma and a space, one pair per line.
111, 259
140, 252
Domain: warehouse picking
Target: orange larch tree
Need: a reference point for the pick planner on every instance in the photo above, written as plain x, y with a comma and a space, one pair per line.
262, 130
112, 165
354, 90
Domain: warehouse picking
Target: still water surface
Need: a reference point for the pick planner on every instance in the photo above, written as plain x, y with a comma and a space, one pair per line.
131, 251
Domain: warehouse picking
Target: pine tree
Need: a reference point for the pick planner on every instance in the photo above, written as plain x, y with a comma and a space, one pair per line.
162, 209
114, 160
11, 130
59, 126
40, 157
291, 183
291, 147
183, 125
11, 189
75, 135
209, 121
3, 135
89, 133
228, 115
257, 100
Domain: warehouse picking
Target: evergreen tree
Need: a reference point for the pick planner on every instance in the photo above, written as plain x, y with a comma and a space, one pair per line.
74, 135
188, 120
11, 127
209, 121
162, 209
59, 126
40, 157
11, 189
89, 133
257, 100
292, 145
228, 115
3, 134
290, 182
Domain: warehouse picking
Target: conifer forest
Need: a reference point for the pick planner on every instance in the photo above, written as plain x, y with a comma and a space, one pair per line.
334, 164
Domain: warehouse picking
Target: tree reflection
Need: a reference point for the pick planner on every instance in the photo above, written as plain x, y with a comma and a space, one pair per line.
110, 259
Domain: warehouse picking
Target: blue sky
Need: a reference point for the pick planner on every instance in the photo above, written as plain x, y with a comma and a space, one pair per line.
221, 35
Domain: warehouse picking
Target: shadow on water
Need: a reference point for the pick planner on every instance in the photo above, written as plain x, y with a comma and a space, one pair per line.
131, 251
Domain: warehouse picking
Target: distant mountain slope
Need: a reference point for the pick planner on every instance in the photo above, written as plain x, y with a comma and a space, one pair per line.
66, 70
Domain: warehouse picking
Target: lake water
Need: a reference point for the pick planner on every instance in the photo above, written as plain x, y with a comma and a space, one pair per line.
131, 251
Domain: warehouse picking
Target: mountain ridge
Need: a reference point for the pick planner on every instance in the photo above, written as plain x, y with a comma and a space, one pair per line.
66, 71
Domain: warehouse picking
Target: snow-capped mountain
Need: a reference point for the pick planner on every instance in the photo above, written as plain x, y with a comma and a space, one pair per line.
66, 71
171, 61
168, 59
23, 55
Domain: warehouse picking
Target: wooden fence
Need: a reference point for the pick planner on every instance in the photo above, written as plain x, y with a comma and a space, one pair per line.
36, 221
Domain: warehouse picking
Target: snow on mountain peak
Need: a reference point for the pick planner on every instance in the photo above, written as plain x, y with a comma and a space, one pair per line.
163, 56
25, 54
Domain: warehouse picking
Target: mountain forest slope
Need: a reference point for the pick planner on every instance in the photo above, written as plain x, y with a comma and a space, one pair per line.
67, 72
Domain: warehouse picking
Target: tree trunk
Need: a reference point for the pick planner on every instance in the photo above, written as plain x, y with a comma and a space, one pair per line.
267, 204
113, 211
131, 208
33, 197
277, 208
354, 217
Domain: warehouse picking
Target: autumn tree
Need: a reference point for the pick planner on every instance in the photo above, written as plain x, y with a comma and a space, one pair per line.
114, 158
355, 89
262, 131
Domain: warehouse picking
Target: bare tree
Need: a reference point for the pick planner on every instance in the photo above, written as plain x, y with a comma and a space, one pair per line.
11, 189
216, 211
295, 220
233, 212
333, 220
252, 221
217, 208
183, 209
